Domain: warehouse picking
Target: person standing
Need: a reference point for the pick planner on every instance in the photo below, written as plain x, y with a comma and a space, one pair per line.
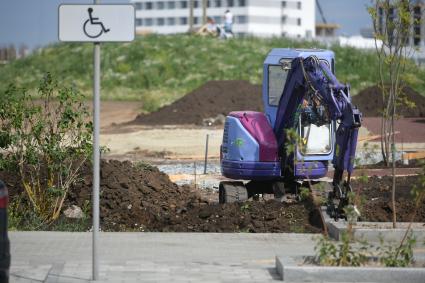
228, 21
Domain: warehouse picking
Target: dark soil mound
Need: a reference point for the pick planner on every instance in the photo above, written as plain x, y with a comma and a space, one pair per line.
145, 199
208, 101
376, 199
141, 198
133, 197
369, 102
251, 216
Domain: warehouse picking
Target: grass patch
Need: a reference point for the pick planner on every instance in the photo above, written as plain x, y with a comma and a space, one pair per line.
158, 69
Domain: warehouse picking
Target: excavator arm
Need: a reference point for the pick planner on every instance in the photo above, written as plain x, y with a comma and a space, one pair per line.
311, 84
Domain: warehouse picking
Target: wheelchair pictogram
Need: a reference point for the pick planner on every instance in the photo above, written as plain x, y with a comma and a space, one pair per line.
93, 28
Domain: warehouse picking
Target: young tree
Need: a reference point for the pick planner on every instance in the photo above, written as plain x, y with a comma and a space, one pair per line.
392, 22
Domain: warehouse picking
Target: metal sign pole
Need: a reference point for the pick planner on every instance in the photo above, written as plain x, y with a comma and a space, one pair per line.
206, 155
96, 156
96, 23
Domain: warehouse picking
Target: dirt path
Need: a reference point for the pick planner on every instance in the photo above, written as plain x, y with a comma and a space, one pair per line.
116, 112
175, 143
136, 142
412, 130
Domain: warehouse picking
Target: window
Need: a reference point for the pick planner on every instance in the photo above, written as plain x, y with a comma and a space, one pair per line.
139, 22
196, 20
284, 18
276, 81
171, 5
317, 138
241, 3
183, 4
160, 21
183, 21
283, 4
217, 19
160, 5
299, 5
148, 6
195, 4
241, 19
230, 3
299, 21
139, 6
148, 22
209, 3
217, 3
171, 21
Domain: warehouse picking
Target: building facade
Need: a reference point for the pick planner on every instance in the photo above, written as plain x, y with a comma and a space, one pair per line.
417, 10
265, 18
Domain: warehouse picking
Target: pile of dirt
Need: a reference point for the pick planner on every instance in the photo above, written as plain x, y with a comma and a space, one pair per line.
144, 199
369, 101
211, 102
251, 216
133, 196
376, 199
139, 197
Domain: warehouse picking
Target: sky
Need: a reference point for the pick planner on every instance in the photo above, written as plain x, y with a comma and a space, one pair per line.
34, 22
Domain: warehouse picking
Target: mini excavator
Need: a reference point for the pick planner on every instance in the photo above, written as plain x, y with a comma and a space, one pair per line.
308, 124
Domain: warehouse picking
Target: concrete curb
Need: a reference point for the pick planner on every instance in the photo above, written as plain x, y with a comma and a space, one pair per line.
290, 271
373, 231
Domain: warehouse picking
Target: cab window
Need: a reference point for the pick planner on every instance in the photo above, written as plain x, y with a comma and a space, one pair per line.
277, 79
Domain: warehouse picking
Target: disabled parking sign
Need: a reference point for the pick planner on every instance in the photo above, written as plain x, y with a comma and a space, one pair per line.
96, 23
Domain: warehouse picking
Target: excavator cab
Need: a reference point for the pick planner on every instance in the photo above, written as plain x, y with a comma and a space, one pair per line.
275, 72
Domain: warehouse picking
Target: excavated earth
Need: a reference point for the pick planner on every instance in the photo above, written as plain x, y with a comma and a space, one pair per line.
138, 197
217, 98
207, 102
369, 101
141, 198
375, 199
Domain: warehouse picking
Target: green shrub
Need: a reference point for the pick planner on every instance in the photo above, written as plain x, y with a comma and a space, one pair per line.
342, 253
46, 140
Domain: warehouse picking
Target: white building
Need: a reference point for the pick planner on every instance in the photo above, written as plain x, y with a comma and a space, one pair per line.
292, 18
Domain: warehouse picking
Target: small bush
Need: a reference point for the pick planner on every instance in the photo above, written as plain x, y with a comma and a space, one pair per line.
342, 253
46, 140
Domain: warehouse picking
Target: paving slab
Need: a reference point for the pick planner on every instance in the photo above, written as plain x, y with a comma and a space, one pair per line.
153, 257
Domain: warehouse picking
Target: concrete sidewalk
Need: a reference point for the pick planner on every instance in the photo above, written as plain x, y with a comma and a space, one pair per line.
153, 257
